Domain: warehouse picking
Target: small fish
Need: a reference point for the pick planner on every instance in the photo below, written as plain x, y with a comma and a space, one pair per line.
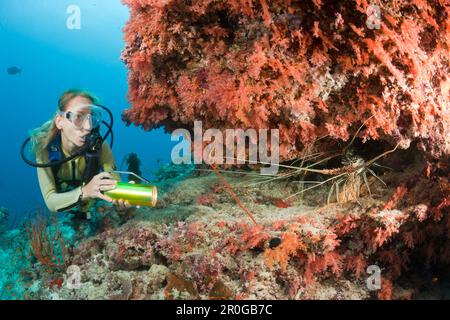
13, 71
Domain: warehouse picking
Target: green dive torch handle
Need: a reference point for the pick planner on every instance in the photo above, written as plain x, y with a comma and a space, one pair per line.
135, 194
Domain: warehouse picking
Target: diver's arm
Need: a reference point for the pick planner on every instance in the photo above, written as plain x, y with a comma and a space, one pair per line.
56, 202
107, 160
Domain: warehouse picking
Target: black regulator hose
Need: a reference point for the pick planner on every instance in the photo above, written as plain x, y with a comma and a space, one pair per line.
112, 134
110, 125
50, 164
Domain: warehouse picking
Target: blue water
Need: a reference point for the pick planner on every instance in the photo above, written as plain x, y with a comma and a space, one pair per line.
34, 37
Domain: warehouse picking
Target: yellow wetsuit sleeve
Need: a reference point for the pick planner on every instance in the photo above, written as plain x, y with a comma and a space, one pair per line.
56, 202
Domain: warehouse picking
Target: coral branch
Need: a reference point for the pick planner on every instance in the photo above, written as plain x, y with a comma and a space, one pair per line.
46, 245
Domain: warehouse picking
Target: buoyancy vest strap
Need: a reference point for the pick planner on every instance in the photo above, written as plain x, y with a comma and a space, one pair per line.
55, 154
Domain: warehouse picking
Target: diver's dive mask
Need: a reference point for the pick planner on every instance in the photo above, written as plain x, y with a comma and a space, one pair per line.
83, 113
78, 117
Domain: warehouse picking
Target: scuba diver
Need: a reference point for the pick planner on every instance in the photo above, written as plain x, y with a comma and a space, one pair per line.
74, 162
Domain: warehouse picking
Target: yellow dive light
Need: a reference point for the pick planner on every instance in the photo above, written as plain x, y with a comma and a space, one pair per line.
135, 194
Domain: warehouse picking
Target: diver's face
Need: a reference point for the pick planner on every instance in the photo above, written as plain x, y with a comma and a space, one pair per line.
76, 136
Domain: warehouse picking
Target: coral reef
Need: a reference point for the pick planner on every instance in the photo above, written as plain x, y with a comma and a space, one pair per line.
4, 216
309, 68
16, 274
47, 245
321, 71
300, 250
168, 175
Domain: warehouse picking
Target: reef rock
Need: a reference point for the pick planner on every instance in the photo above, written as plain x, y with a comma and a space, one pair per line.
4, 216
305, 250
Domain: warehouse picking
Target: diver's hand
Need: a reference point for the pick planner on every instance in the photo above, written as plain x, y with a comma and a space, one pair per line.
102, 182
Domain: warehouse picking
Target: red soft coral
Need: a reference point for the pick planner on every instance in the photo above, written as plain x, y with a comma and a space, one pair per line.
269, 64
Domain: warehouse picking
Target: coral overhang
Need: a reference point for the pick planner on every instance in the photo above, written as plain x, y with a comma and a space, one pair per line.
312, 69
309, 68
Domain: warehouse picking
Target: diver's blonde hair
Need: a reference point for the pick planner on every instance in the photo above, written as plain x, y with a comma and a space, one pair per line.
43, 135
